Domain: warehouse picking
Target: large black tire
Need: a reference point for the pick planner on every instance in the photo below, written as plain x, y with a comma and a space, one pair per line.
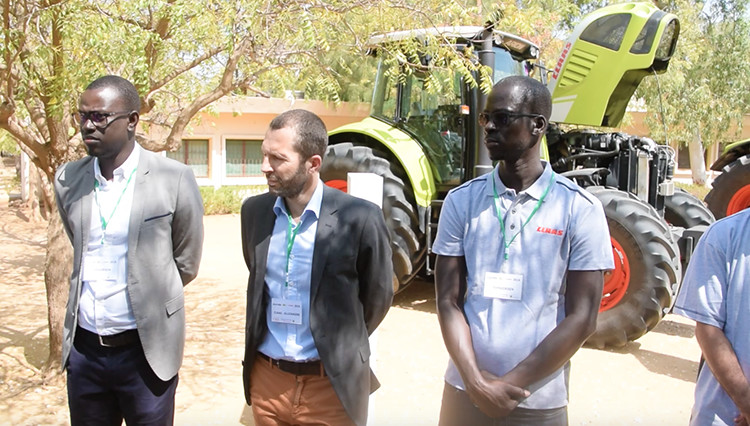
686, 210
647, 270
730, 191
399, 207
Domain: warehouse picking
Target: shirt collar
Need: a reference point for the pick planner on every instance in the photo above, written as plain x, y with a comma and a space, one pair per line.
123, 172
313, 206
536, 190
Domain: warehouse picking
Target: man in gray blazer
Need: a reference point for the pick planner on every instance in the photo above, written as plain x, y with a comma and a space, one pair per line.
320, 283
135, 220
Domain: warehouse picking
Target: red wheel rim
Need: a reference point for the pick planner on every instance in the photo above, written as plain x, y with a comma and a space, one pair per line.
615, 281
337, 184
740, 200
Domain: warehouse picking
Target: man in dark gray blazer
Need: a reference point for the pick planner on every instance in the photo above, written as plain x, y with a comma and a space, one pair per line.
320, 283
135, 219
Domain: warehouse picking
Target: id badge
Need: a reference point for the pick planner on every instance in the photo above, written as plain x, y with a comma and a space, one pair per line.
498, 285
100, 267
286, 311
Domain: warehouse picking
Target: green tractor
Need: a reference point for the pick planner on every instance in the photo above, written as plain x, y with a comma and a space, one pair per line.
424, 143
730, 190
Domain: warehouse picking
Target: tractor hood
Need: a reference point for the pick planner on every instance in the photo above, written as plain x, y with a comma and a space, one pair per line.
605, 59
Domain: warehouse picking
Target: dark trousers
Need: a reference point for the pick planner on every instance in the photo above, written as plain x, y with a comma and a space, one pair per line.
107, 385
458, 410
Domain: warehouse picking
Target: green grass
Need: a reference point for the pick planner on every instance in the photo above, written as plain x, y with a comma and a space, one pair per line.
227, 199
697, 190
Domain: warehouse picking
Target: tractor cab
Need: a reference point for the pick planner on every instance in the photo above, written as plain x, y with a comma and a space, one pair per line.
436, 106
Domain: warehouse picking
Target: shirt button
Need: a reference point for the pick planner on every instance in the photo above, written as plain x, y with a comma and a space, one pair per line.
513, 211
512, 226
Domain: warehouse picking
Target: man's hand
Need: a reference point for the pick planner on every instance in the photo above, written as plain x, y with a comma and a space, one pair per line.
493, 396
742, 420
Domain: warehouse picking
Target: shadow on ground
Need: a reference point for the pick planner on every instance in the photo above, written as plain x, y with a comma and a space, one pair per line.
419, 295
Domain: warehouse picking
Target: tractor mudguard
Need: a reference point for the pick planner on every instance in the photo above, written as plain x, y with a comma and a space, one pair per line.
731, 153
401, 145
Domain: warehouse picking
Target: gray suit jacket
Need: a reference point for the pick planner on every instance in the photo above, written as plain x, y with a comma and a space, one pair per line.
165, 240
351, 289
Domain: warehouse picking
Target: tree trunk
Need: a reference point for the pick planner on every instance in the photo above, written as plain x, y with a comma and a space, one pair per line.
58, 267
35, 195
697, 160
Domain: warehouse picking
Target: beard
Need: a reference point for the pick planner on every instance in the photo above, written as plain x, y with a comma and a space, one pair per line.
290, 187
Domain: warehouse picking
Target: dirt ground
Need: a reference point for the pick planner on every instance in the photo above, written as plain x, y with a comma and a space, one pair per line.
650, 381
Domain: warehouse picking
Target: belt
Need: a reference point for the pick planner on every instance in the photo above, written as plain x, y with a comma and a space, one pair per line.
126, 338
309, 368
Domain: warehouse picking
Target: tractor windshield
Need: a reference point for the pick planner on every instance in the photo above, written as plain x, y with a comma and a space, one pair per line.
427, 105
506, 66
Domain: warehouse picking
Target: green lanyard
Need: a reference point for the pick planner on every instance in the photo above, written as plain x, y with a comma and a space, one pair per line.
105, 222
291, 233
500, 216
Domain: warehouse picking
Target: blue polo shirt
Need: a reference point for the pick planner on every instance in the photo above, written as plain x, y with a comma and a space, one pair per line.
716, 291
567, 231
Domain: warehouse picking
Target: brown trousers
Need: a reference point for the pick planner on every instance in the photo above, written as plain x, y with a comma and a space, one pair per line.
280, 398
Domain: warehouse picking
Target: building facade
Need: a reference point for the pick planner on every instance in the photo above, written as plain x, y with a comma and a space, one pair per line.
223, 148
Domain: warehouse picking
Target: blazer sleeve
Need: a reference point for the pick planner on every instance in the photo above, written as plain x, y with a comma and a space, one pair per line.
187, 227
375, 269
60, 202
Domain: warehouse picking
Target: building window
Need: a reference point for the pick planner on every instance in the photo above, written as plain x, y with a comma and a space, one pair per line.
194, 153
243, 158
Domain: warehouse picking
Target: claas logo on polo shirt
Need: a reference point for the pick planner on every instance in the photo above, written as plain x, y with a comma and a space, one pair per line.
550, 231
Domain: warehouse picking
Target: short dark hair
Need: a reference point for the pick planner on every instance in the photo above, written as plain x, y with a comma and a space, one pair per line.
311, 136
536, 96
125, 88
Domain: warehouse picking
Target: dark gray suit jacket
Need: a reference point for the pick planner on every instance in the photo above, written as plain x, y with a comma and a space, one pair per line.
351, 289
165, 241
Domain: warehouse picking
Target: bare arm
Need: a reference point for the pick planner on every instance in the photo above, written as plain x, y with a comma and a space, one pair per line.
582, 299
722, 360
494, 397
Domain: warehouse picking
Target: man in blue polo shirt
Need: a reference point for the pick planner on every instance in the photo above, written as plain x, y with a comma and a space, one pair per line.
519, 274
715, 294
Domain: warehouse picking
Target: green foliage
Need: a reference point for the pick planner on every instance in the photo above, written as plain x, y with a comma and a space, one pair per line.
699, 191
7, 143
706, 90
182, 55
227, 199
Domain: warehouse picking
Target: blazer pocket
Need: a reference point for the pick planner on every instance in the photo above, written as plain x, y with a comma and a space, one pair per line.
175, 304
152, 218
364, 352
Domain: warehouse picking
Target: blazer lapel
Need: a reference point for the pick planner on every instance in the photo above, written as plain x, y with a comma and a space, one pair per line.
326, 225
140, 194
261, 255
262, 242
87, 201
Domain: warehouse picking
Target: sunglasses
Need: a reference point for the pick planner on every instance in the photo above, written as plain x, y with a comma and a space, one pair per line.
502, 118
98, 119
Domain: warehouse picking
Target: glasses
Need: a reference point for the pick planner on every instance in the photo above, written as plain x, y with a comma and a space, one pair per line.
502, 118
98, 119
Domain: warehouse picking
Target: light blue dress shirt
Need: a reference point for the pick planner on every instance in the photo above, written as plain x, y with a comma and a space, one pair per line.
290, 341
